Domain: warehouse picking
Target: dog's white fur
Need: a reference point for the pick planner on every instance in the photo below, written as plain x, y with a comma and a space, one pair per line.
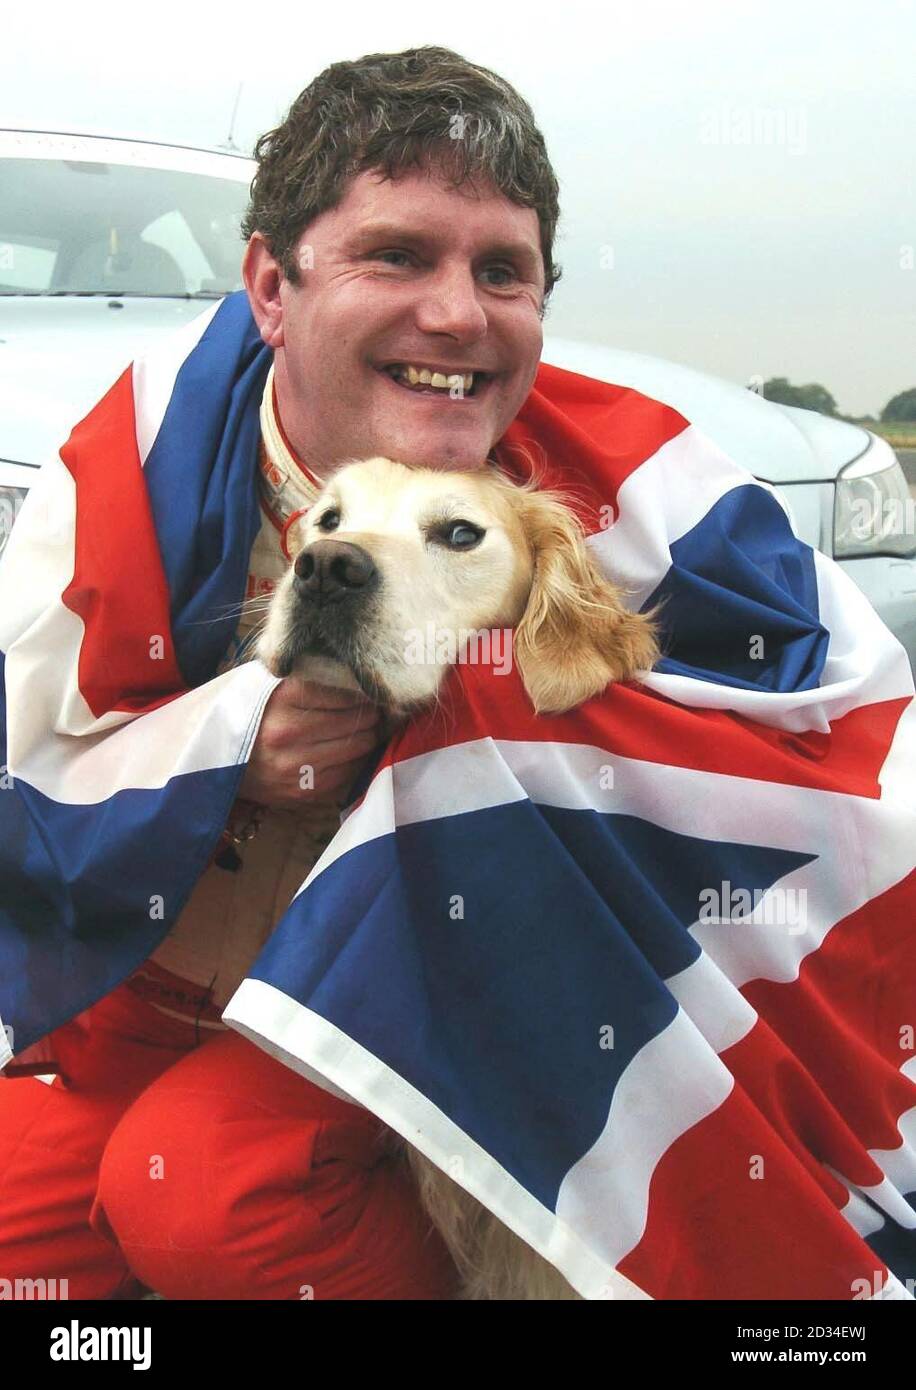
531, 571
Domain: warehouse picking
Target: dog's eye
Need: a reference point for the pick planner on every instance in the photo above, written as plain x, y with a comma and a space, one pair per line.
330, 520
460, 535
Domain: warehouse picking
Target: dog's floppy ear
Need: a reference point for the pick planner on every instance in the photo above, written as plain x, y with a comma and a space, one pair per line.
575, 635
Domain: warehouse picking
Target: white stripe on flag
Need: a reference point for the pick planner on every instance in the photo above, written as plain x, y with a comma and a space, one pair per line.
154, 374
861, 1215
891, 1292
712, 1003
861, 846
607, 1190
896, 777
899, 1166
689, 474
214, 725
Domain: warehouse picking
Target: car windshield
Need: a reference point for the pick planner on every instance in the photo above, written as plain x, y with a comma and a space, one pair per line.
73, 227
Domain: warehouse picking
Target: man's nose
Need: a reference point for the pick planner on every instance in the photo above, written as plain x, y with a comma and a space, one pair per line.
449, 303
327, 571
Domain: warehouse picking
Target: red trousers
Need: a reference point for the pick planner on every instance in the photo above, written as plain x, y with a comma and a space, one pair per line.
204, 1171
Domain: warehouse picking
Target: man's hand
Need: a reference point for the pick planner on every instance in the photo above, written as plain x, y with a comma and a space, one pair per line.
308, 726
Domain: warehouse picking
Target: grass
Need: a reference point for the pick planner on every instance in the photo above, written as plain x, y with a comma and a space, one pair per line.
900, 434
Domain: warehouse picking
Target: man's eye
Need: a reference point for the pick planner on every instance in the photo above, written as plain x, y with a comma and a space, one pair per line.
460, 535
506, 270
329, 520
502, 270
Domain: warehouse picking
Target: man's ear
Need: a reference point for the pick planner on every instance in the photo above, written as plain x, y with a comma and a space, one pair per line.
575, 635
262, 277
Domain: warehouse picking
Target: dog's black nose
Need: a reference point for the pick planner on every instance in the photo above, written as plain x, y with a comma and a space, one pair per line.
332, 569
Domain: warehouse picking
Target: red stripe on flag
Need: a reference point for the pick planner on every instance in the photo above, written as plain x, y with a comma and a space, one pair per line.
818, 1081
607, 434
634, 722
850, 1015
127, 660
710, 1186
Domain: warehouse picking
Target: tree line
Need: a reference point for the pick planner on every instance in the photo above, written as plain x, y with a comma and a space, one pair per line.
813, 396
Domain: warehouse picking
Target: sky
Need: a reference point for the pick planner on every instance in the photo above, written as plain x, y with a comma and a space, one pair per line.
737, 180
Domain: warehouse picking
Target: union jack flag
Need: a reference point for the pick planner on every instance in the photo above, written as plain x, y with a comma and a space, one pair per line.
641, 977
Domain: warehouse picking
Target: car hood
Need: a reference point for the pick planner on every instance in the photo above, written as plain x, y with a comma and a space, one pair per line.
59, 356
780, 444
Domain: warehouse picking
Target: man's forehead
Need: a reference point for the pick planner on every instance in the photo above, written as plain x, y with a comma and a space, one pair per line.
421, 204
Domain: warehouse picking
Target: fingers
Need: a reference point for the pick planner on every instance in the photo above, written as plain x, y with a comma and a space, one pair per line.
298, 772
312, 783
303, 709
321, 739
311, 744
309, 695
323, 726
337, 780
334, 751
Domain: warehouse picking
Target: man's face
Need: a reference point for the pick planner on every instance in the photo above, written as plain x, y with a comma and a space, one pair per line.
408, 271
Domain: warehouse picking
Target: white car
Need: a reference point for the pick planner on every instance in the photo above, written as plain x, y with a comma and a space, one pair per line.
105, 243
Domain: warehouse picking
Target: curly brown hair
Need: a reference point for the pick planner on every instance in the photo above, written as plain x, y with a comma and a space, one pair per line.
387, 112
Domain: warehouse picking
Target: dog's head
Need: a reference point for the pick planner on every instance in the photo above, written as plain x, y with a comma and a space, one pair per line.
394, 567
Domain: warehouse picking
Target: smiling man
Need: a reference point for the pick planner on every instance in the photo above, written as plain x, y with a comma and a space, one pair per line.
400, 269
402, 274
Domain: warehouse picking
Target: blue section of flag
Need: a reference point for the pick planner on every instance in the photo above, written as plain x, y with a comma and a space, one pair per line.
484, 953
201, 475
82, 883
740, 600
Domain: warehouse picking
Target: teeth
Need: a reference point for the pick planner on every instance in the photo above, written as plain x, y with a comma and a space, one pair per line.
422, 376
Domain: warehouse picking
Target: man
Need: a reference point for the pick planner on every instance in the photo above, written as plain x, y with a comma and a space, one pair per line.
357, 257
408, 270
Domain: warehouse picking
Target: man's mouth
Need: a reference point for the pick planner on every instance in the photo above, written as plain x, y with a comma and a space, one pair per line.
455, 388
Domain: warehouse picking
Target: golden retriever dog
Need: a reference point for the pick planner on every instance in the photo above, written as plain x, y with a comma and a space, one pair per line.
388, 551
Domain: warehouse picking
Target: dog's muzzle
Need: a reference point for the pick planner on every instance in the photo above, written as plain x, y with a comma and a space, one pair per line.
333, 571
335, 593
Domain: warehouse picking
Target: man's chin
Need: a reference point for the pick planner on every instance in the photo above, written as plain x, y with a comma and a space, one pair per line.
448, 451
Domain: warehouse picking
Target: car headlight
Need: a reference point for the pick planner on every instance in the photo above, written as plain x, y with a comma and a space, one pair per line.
11, 499
873, 512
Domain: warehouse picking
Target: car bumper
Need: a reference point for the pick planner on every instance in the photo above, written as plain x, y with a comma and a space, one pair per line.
889, 584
